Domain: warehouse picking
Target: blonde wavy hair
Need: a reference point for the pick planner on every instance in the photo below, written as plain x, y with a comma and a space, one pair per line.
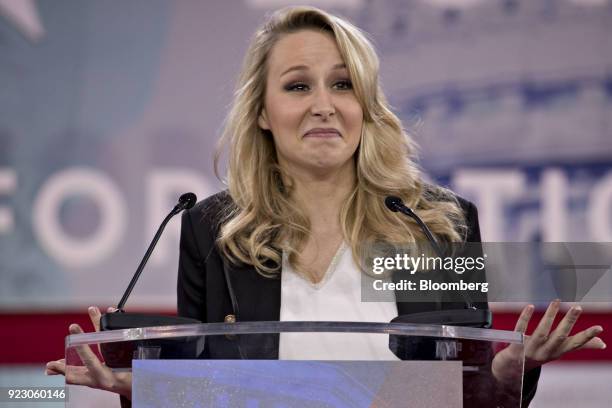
264, 221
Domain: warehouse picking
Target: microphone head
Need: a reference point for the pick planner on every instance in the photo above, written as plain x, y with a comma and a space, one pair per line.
394, 203
187, 200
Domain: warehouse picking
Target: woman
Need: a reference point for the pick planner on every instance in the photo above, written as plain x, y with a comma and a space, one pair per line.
313, 152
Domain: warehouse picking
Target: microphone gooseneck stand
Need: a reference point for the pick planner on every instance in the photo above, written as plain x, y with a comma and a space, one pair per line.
470, 315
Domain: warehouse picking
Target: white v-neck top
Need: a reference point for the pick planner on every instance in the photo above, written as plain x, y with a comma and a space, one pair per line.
337, 297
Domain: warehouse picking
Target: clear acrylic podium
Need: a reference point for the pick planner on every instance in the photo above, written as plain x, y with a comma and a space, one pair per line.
237, 365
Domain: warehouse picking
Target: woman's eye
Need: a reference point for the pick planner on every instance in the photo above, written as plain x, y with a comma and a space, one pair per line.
298, 86
345, 84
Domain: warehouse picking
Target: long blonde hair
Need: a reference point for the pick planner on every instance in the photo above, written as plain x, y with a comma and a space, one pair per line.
264, 220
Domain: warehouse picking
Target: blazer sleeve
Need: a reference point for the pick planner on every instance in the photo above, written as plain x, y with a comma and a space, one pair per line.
530, 378
191, 284
471, 221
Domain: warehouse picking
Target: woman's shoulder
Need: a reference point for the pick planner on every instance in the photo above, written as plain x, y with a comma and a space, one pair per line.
213, 204
212, 211
435, 192
469, 210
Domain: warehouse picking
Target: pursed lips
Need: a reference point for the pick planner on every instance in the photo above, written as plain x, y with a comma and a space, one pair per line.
323, 132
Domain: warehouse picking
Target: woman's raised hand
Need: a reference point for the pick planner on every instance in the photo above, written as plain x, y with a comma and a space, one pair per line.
93, 373
545, 344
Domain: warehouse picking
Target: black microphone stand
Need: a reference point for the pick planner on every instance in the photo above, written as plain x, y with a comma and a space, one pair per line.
120, 355
470, 315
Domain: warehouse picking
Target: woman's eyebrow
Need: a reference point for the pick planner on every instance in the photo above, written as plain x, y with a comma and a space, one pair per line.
341, 65
295, 68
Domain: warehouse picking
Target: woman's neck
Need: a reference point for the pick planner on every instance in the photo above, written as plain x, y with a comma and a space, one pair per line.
323, 195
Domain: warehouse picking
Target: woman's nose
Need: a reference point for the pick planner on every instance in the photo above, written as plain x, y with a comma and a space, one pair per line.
322, 104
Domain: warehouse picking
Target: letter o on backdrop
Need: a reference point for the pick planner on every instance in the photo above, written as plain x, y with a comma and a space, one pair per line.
73, 251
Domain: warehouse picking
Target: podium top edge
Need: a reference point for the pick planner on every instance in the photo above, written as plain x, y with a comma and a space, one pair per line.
217, 329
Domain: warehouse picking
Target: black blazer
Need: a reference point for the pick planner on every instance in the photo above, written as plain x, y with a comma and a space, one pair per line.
204, 277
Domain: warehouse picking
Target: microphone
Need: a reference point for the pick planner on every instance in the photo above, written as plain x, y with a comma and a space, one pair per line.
185, 202
410, 348
470, 316
396, 204
119, 355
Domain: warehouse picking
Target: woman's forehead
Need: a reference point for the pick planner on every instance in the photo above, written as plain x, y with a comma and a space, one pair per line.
304, 49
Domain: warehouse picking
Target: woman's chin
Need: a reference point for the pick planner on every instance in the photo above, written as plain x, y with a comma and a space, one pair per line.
323, 167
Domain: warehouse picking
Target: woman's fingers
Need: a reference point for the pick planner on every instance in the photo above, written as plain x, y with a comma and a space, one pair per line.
543, 345
78, 375
524, 318
595, 343
569, 320
74, 374
94, 316
540, 334
87, 356
93, 372
56, 367
521, 327
585, 339
561, 334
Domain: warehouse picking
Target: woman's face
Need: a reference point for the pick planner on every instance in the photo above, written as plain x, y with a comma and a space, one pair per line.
310, 106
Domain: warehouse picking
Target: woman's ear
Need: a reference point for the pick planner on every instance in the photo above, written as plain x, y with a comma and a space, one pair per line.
262, 120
